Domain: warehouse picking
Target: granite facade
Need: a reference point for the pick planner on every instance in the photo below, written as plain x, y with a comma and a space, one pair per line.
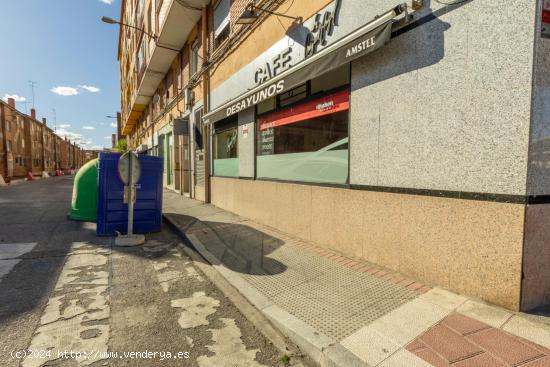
447, 105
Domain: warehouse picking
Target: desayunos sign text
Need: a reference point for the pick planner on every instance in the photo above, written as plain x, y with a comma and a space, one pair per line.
256, 98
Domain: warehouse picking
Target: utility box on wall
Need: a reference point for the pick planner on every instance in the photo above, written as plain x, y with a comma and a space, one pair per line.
112, 212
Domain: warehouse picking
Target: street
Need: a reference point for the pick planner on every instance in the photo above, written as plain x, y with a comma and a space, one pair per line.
69, 298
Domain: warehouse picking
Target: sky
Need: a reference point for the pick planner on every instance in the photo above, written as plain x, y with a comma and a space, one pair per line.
63, 46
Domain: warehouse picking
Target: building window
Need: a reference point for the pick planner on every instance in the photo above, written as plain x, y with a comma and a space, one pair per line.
140, 64
194, 57
307, 142
226, 148
221, 21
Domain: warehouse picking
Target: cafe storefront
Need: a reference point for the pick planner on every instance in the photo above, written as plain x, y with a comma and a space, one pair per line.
397, 134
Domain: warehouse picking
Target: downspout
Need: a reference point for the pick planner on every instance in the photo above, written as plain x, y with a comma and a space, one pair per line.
4, 139
43, 155
205, 89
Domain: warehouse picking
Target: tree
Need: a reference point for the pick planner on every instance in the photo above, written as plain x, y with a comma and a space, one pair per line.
122, 146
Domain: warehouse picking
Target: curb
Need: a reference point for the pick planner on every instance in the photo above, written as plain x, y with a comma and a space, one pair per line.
324, 351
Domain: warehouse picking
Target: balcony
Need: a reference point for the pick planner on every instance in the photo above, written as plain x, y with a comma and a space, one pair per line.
175, 22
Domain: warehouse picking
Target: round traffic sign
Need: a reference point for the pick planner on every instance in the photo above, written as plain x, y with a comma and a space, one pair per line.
127, 160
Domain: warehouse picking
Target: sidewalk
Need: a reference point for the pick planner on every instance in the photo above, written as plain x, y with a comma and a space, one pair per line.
344, 312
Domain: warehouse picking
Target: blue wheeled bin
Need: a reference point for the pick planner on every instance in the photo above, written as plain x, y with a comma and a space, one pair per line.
112, 213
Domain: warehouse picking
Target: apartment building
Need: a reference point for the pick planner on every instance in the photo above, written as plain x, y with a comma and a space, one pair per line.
29, 145
410, 134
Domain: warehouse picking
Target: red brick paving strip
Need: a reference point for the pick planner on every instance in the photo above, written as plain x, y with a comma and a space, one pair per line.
505, 346
464, 325
448, 344
481, 360
460, 341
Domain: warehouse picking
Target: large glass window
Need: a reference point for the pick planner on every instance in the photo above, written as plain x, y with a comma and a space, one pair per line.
226, 148
307, 142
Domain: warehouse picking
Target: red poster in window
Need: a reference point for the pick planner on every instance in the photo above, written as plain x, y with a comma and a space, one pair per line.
320, 107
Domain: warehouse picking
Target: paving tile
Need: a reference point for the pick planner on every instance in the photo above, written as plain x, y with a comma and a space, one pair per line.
424, 289
450, 345
491, 315
369, 345
415, 285
505, 346
538, 347
364, 268
480, 360
443, 298
396, 279
405, 282
417, 315
537, 333
432, 358
415, 345
464, 325
403, 358
541, 362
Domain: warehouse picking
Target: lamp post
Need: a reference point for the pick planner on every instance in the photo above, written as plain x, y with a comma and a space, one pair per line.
113, 21
154, 37
251, 13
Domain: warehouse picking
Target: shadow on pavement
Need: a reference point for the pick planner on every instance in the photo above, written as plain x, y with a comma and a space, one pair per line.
237, 246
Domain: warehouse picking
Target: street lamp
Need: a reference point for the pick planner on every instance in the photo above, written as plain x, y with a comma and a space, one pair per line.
252, 11
151, 35
113, 21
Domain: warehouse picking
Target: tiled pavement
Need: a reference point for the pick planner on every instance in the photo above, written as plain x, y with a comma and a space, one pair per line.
460, 341
377, 316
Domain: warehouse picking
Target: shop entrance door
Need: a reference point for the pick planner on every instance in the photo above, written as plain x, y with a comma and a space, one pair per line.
169, 159
185, 158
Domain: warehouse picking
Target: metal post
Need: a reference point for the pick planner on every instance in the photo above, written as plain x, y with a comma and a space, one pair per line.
130, 195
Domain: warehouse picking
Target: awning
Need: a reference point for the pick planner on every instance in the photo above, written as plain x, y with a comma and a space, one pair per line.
359, 43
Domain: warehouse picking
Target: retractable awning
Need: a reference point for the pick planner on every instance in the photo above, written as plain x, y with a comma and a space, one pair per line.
361, 42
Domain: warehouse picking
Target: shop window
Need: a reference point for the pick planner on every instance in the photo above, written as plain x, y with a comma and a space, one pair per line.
293, 95
225, 148
267, 105
221, 21
307, 142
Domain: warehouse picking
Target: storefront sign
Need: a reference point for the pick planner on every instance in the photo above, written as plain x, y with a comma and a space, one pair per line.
545, 26
256, 98
322, 28
245, 131
363, 41
324, 106
280, 63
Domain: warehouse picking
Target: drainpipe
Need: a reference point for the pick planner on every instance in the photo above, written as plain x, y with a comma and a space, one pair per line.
205, 89
4, 139
42, 128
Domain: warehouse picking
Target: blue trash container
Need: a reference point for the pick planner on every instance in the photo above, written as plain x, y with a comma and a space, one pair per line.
112, 213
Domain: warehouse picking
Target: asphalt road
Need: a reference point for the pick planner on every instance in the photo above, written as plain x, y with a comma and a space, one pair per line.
70, 298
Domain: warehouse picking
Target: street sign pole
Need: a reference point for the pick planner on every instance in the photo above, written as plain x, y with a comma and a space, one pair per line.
130, 196
129, 170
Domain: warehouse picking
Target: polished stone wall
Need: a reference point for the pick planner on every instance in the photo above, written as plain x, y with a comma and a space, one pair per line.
539, 150
447, 105
470, 247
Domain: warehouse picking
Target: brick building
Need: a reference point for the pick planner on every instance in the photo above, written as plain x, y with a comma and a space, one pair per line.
29, 145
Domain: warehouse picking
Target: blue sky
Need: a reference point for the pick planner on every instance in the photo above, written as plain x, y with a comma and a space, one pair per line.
64, 47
